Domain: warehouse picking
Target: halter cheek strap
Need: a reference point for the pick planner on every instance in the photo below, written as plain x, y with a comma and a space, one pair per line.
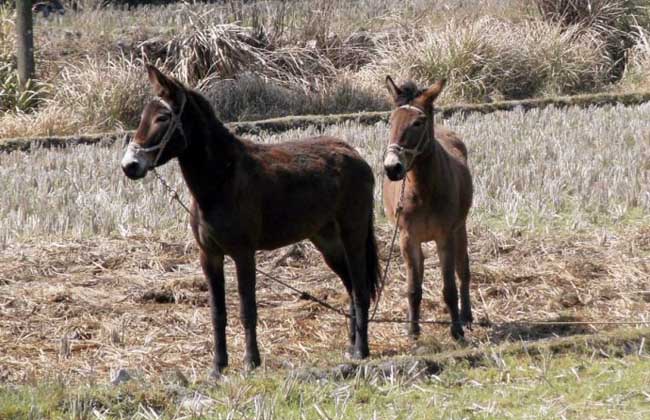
419, 148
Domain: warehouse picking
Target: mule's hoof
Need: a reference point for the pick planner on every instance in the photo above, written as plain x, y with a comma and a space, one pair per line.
357, 354
252, 361
349, 351
467, 319
360, 355
217, 375
414, 332
219, 368
457, 332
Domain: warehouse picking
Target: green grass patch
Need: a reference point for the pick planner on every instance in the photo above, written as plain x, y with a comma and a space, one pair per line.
597, 378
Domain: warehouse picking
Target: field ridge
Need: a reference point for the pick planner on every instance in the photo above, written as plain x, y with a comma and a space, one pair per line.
281, 124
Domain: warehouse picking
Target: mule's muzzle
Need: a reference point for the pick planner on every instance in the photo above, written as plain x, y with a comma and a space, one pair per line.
135, 163
395, 172
134, 170
394, 167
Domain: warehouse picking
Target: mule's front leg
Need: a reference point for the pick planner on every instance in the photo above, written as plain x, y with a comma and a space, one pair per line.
248, 306
213, 269
414, 259
446, 253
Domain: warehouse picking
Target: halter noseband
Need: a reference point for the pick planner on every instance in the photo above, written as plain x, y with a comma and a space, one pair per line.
175, 123
419, 148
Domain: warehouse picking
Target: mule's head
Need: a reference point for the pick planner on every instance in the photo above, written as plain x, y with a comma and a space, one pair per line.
411, 125
160, 135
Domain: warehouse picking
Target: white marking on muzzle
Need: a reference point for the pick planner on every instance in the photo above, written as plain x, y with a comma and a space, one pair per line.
136, 154
392, 159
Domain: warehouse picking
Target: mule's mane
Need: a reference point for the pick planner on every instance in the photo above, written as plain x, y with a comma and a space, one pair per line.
408, 91
208, 119
202, 101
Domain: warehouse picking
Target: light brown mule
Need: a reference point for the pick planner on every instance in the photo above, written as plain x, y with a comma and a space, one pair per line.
437, 198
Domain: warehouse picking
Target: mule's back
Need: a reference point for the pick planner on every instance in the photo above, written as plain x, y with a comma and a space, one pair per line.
301, 186
451, 142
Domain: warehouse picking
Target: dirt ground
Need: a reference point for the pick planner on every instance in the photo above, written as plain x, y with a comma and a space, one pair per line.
83, 309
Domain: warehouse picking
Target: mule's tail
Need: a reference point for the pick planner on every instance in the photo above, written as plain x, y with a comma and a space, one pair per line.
372, 260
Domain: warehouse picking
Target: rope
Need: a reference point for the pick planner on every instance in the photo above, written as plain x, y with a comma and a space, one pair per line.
172, 191
384, 278
304, 295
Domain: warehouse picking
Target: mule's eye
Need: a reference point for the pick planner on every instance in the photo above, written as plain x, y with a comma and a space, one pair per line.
417, 123
162, 118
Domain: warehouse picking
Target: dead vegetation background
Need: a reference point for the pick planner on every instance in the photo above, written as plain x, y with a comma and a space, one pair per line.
274, 58
558, 231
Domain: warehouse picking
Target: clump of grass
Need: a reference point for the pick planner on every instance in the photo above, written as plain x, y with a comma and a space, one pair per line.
617, 23
637, 72
90, 96
13, 97
49, 120
594, 13
224, 51
104, 94
221, 50
499, 58
250, 97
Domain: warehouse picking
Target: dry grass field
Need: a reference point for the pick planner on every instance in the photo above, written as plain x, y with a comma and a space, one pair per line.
99, 274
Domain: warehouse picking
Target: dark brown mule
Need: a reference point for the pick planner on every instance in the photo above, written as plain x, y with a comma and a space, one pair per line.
437, 198
249, 196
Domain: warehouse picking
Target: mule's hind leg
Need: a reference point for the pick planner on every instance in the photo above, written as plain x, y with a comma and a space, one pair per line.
245, 264
414, 260
328, 242
447, 255
462, 270
354, 241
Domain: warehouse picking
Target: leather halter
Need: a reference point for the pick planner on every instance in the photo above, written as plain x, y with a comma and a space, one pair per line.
175, 123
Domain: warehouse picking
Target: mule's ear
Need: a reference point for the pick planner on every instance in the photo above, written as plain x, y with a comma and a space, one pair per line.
165, 87
429, 96
392, 88
160, 83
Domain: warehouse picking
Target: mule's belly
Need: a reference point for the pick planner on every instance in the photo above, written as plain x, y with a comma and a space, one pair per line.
423, 221
298, 213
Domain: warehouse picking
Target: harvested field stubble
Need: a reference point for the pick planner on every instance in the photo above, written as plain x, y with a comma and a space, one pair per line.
538, 169
555, 234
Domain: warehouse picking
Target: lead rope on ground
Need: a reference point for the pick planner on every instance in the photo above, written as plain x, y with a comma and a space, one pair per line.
308, 296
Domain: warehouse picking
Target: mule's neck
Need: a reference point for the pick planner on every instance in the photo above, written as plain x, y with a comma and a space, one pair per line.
430, 172
212, 154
